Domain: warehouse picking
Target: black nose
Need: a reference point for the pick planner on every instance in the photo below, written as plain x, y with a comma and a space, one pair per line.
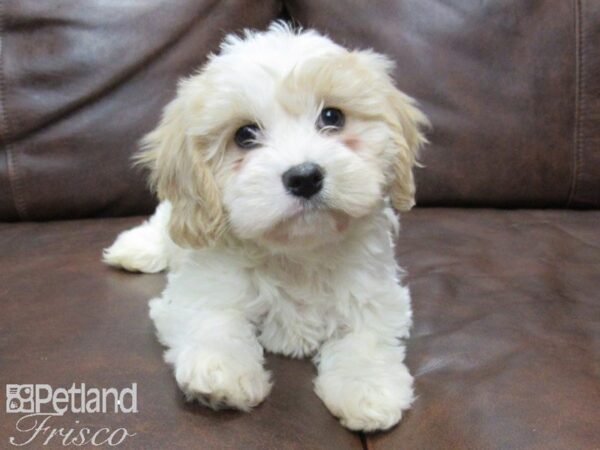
303, 180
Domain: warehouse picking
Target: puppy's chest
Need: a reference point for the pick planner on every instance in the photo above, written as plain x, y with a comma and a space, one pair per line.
295, 310
294, 287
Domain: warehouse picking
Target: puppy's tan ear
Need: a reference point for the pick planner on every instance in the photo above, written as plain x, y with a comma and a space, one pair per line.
180, 173
407, 123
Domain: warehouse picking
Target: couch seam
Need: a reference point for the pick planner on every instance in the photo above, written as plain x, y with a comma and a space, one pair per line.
5, 126
577, 132
364, 441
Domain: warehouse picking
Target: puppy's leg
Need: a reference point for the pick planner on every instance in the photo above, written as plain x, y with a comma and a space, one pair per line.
145, 248
363, 380
362, 377
216, 357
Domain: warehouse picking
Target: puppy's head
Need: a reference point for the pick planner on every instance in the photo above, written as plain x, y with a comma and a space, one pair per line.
283, 138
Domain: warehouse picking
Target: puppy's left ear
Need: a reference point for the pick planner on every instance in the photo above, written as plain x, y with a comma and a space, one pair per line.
407, 123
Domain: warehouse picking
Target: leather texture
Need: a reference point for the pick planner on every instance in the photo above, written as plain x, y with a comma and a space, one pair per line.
504, 347
585, 190
79, 87
511, 87
506, 342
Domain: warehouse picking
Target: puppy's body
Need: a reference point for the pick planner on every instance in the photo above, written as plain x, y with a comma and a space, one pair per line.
258, 264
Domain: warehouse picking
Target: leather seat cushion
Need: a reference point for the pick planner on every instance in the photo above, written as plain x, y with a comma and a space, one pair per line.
504, 347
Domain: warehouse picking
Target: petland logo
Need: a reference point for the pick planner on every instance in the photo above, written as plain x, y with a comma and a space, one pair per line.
41, 403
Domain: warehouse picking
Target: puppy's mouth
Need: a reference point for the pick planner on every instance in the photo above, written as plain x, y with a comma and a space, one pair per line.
309, 222
304, 207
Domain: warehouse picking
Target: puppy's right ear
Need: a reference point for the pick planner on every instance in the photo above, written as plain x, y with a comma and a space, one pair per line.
180, 173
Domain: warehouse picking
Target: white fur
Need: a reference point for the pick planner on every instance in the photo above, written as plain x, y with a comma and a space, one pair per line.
146, 248
295, 279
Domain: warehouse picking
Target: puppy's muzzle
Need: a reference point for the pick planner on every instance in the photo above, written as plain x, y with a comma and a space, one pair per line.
304, 180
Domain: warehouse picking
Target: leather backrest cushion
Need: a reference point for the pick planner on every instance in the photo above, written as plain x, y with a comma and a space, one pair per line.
81, 82
512, 88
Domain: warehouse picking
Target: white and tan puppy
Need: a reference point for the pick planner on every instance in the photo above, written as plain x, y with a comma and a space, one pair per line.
276, 165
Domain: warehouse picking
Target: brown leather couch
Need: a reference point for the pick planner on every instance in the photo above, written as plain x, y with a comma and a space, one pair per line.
502, 252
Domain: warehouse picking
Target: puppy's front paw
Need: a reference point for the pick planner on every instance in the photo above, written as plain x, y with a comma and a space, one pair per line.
366, 401
220, 381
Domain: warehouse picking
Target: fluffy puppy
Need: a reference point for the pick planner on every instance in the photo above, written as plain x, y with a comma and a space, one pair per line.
276, 165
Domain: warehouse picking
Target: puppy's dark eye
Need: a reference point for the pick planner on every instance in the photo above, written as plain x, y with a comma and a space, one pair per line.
246, 137
331, 119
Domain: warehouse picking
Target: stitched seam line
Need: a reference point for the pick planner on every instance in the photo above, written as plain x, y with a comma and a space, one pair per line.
577, 133
11, 160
